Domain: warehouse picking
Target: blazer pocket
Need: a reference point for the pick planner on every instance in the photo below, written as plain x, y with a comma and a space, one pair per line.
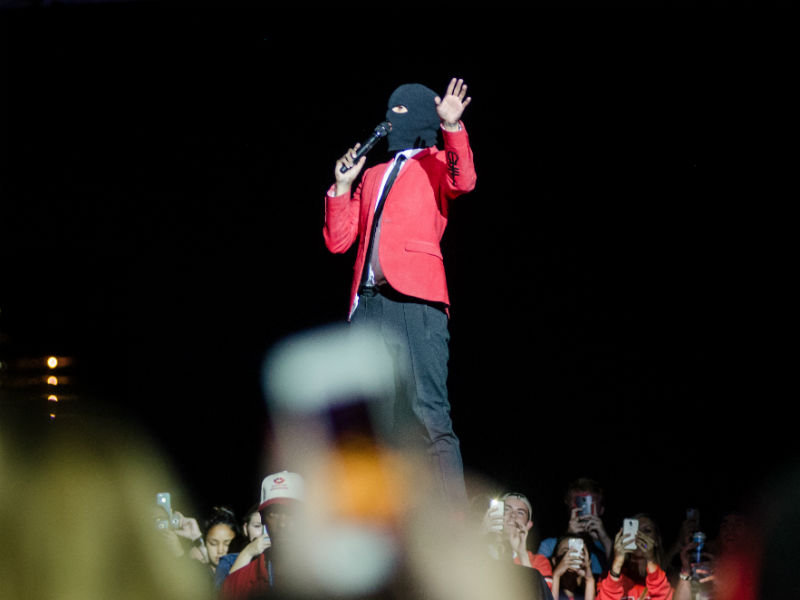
424, 247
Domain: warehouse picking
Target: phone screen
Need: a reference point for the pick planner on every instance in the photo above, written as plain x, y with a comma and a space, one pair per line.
630, 527
584, 504
576, 546
496, 510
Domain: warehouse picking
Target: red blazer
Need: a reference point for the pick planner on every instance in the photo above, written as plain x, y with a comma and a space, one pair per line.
413, 220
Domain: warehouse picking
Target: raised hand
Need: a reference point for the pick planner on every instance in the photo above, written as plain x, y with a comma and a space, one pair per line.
258, 545
249, 552
188, 528
517, 537
586, 566
492, 521
646, 544
576, 523
572, 562
620, 543
594, 526
452, 105
345, 180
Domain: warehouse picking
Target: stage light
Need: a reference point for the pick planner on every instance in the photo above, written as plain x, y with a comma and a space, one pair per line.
52, 380
52, 398
52, 362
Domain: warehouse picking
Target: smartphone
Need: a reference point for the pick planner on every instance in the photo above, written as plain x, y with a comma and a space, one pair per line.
172, 520
585, 505
497, 508
163, 500
630, 527
576, 547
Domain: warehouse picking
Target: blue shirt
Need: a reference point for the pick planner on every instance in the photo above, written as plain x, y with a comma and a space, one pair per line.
223, 568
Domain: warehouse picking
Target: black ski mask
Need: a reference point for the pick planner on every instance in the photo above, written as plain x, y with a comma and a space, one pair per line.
418, 127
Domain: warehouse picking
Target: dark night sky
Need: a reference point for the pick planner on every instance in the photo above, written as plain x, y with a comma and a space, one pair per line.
615, 277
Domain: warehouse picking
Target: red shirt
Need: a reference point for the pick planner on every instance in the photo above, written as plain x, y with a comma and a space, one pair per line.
253, 579
657, 588
542, 564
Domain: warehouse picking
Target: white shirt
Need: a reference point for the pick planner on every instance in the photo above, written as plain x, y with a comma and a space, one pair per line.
408, 154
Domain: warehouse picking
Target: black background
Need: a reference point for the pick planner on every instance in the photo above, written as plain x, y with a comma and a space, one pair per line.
617, 277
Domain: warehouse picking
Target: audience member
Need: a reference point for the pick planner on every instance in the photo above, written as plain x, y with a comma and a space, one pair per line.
252, 525
517, 523
491, 524
585, 502
637, 573
219, 531
672, 555
257, 569
572, 572
696, 577
257, 542
698, 574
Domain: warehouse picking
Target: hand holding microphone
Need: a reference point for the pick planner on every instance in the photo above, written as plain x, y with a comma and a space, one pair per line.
361, 149
349, 166
347, 169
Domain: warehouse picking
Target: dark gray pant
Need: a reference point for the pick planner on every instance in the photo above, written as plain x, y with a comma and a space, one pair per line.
418, 339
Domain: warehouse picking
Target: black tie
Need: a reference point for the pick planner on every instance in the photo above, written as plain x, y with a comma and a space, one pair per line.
398, 162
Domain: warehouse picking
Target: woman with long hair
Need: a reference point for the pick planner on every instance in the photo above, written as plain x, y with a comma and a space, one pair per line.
219, 530
637, 572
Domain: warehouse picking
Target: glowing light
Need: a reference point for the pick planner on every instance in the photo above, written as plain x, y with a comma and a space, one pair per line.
52, 398
52, 380
52, 362
52, 416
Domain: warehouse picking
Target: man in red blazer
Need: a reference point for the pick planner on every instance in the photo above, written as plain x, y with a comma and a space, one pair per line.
399, 281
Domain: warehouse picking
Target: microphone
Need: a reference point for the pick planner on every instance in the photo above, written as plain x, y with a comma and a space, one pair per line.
380, 131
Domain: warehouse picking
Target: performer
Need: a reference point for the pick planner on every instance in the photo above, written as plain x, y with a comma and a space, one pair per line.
399, 281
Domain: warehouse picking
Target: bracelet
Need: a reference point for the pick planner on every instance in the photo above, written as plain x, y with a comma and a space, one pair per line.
614, 575
198, 542
685, 576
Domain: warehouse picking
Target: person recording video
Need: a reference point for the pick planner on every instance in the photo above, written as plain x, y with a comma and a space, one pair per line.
585, 502
637, 569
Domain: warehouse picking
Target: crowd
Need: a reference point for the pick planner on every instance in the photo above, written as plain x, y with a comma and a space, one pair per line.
85, 518
79, 530
590, 559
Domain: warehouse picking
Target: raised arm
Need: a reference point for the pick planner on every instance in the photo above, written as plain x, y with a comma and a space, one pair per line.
341, 204
451, 107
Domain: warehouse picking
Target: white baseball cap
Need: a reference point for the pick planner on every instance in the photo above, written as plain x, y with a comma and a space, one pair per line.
281, 488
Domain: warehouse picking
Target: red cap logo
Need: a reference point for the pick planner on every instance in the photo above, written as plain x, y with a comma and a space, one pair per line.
278, 480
